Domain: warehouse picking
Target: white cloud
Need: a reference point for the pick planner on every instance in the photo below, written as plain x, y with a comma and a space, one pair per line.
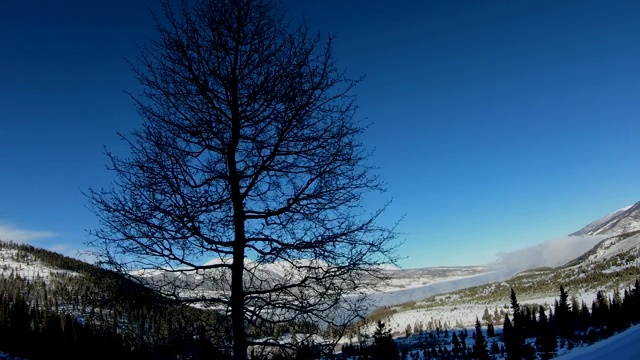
12, 233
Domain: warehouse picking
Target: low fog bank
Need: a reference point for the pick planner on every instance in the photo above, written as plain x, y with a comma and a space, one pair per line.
550, 253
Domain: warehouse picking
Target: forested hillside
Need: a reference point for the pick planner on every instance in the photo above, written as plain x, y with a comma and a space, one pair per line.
73, 309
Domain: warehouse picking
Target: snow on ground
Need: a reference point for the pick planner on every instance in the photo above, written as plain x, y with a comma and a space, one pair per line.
465, 315
390, 297
412, 278
28, 267
621, 346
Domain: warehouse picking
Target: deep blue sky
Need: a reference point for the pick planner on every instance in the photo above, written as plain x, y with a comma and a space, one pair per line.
496, 125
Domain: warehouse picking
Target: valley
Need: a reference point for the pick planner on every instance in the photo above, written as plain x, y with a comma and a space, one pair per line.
409, 302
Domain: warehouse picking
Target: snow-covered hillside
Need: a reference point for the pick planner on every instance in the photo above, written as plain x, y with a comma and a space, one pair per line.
613, 263
625, 246
402, 285
26, 265
618, 222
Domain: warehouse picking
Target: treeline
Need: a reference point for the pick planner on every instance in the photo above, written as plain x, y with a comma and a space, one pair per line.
534, 332
529, 332
86, 310
569, 323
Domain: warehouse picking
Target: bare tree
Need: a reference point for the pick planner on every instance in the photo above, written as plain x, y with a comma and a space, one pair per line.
248, 156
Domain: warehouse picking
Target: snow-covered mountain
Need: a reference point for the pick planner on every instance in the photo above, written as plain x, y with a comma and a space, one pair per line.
624, 247
402, 285
612, 263
618, 222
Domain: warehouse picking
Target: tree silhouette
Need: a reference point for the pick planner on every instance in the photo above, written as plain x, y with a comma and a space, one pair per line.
248, 150
546, 340
384, 347
563, 315
456, 344
480, 350
514, 333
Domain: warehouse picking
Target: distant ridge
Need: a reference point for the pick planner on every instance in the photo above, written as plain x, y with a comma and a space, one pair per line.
618, 222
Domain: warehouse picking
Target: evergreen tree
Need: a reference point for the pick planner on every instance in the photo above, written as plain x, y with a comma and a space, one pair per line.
616, 318
585, 316
491, 331
457, 349
600, 309
575, 311
486, 317
514, 338
495, 349
480, 351
407, 330
563, 315
497, 316
546, 340
507, 327
635, 302
463, 338
384, 346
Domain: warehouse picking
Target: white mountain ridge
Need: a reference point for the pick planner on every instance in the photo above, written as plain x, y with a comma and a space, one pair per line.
618, 251
618, 222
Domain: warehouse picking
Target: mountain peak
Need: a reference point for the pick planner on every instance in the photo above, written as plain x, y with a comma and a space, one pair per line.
618, 222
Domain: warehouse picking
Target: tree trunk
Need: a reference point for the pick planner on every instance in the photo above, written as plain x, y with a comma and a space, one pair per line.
237, 305
237, 268
237, 272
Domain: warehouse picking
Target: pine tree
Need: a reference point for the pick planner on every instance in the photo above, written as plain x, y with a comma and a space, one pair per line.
546, 340
491, 332
486, 317
507, 326
563, 315
497, 317
463, 338
575, 311
457, 349
600, 309
384, 346
585, 316
635, 302
616, 319
480, 351
514, 340
495, 349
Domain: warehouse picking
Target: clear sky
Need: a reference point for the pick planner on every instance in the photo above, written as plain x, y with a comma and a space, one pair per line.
496, 124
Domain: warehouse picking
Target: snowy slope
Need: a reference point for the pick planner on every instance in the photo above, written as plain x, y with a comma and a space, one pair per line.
623, 346
617, 256
626, 247
618, 222
26, 265
402, 285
